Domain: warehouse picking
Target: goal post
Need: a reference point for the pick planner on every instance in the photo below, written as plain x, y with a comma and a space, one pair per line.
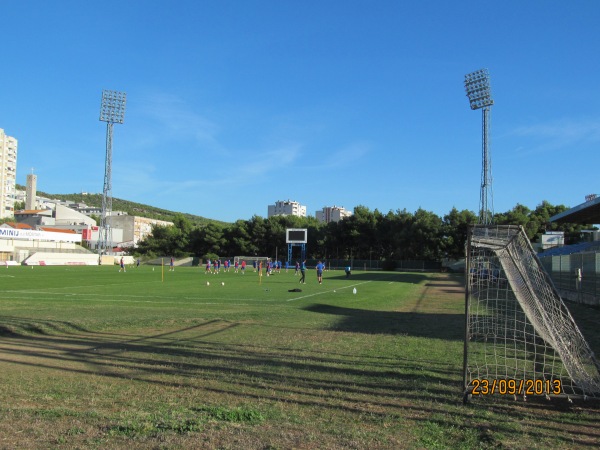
251, 259
520, 338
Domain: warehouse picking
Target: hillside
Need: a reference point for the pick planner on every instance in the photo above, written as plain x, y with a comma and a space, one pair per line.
131, 208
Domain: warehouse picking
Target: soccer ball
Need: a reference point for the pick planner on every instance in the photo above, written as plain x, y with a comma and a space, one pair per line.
222, 283
208, 283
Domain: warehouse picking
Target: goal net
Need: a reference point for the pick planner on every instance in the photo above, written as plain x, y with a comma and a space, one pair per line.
520, 338
250, 260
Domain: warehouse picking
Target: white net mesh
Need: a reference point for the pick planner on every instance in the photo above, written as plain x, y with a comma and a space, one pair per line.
251, 259
520, 338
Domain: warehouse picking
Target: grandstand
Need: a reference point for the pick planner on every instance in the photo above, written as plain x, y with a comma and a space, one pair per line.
586, 213
22, 244
575, 269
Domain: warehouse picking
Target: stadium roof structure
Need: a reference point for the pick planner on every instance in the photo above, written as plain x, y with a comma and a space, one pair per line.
586, 213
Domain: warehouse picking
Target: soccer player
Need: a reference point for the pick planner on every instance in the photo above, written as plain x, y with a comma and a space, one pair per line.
172, 265
122, 264
236, 264
207, 267
303, 272
297, 268
244, 267
320, 266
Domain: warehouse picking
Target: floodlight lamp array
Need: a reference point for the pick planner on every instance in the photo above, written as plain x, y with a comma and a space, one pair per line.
112, 108
477, 85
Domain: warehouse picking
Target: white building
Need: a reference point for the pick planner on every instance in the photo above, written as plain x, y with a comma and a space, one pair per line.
8, 174
22, 244
286, 208
551, 239
59, 217
332, 214
135, 229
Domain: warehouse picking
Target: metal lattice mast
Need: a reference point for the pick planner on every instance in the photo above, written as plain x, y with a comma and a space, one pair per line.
112, 110
477, 85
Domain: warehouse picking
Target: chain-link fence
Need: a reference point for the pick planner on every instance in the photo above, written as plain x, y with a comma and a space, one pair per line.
576, 276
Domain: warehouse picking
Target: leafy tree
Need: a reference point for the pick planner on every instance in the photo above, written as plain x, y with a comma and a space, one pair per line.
456, 225
238, 239
427, 233
207, 240
156, 243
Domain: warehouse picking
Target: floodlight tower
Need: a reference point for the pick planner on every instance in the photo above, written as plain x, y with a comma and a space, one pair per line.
477, 85
112, 110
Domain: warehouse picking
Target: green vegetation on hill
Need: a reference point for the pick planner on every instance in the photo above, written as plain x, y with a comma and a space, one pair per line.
131, 208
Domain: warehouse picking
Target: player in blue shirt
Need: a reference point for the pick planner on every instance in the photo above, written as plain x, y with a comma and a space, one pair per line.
320, 266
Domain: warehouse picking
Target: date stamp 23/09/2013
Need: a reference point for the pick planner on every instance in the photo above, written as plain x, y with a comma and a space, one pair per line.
483, 386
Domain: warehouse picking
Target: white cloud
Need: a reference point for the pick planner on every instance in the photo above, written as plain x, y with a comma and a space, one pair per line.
169, 118
556, 135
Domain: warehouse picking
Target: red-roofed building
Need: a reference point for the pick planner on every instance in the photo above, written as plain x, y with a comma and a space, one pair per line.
19, 226
57, 230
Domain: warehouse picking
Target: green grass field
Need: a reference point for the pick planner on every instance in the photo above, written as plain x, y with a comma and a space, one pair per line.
94, 358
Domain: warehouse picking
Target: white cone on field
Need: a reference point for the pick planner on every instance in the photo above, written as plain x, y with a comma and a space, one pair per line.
354, 291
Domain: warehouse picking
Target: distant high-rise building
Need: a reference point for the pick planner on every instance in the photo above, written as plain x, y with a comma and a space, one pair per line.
31, 192
332, 214
8, 174
286, 208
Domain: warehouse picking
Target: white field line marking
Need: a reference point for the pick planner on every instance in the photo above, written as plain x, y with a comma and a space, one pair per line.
88, 286
126, 298
325, 292
163, 300
18, 295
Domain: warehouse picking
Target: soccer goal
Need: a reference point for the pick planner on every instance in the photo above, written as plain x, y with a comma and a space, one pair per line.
520, 339
251, 259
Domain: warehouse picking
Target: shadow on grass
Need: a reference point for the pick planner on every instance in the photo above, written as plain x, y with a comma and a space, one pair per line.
372, 389
167, 359
13, 326
399, 277
439, 326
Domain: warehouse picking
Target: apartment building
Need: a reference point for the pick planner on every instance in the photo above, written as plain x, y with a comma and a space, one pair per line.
8, 174
286, 208
332, 214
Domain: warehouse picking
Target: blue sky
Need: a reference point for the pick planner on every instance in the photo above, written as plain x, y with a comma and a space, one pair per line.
233, 105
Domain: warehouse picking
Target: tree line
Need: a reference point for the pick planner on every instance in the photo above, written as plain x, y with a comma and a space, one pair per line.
395, 236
